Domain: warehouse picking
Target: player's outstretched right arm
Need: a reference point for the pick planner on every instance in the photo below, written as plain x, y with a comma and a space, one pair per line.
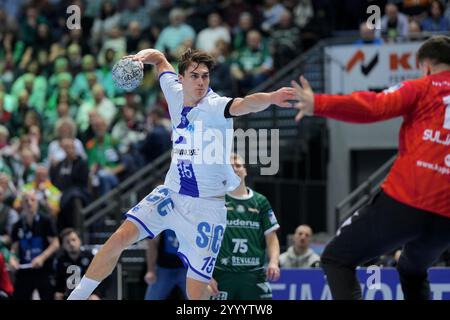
152, 56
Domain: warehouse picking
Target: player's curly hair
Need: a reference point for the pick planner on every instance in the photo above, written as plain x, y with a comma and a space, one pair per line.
194, 56
436, 49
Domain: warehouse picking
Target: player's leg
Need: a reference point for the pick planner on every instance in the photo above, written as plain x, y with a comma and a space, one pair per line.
143, 220
381, 226
199, 225
420, 254
106, 258
226, 284
256, 286
197, 289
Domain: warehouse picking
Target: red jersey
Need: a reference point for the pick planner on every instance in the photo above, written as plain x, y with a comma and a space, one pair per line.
420, 176
5, 281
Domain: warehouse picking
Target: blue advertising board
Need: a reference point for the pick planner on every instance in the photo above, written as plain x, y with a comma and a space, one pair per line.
376, 284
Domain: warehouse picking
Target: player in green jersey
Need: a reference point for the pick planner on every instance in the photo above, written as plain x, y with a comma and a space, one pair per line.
251, 229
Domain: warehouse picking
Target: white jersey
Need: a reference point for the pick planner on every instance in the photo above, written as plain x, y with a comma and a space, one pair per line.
202, 143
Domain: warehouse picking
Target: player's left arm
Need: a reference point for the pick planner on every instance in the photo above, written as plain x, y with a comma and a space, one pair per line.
260, 101
273, 251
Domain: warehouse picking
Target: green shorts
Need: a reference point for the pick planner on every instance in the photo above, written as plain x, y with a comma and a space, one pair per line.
242, 285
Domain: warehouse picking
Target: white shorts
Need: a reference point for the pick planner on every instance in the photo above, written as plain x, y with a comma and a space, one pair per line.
198, 223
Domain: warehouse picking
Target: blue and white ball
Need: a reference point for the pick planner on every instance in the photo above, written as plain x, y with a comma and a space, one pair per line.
127, 74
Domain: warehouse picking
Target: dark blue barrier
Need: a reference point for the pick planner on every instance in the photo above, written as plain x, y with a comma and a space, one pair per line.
376, 284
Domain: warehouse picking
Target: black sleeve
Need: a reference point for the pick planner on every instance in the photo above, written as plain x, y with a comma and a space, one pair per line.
50, 227
60, 276
226, 112
81, 174
14, 236
53, 173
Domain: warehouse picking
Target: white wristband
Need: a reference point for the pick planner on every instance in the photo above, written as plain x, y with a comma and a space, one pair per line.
84, 289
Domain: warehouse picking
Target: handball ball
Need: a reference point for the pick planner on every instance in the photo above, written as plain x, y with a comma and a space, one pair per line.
127, 74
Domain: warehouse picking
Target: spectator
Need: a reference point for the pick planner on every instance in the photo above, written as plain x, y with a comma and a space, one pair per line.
47, 194
221, 79
116, 41
415, 31
240, 31
75, 59
104, 158
60, 66
7, 22
108, 19
393, 24
367, 35
71, 175
134, 12
65, 128
285, 40
134, 35
101, 103
24, 170
130, 128
207, 38
8, 217
197, 15
36, 87
34, 242
81, 88
233, 9
8, 188
272, 12
5, 148
303, 13
158, 139
253, 63
300, 255
159, 16
436, 20
28, 26
176, 34
18, 115
73, 260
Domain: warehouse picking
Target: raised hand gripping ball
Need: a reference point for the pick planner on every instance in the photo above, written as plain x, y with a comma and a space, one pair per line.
127, 74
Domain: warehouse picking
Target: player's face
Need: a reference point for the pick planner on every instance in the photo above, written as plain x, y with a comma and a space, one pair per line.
238, 167
195, 81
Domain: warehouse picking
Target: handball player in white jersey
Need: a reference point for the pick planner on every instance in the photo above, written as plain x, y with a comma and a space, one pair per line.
192, 200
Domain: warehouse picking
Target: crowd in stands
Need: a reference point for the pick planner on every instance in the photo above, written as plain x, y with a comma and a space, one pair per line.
68, 135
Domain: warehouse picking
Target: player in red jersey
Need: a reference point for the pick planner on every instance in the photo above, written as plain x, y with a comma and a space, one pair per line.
413, 208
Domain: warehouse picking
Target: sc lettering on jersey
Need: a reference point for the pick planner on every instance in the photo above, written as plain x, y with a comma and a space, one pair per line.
209, 236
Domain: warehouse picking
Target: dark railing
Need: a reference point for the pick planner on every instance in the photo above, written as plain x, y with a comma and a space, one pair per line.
125, 195
362, 194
